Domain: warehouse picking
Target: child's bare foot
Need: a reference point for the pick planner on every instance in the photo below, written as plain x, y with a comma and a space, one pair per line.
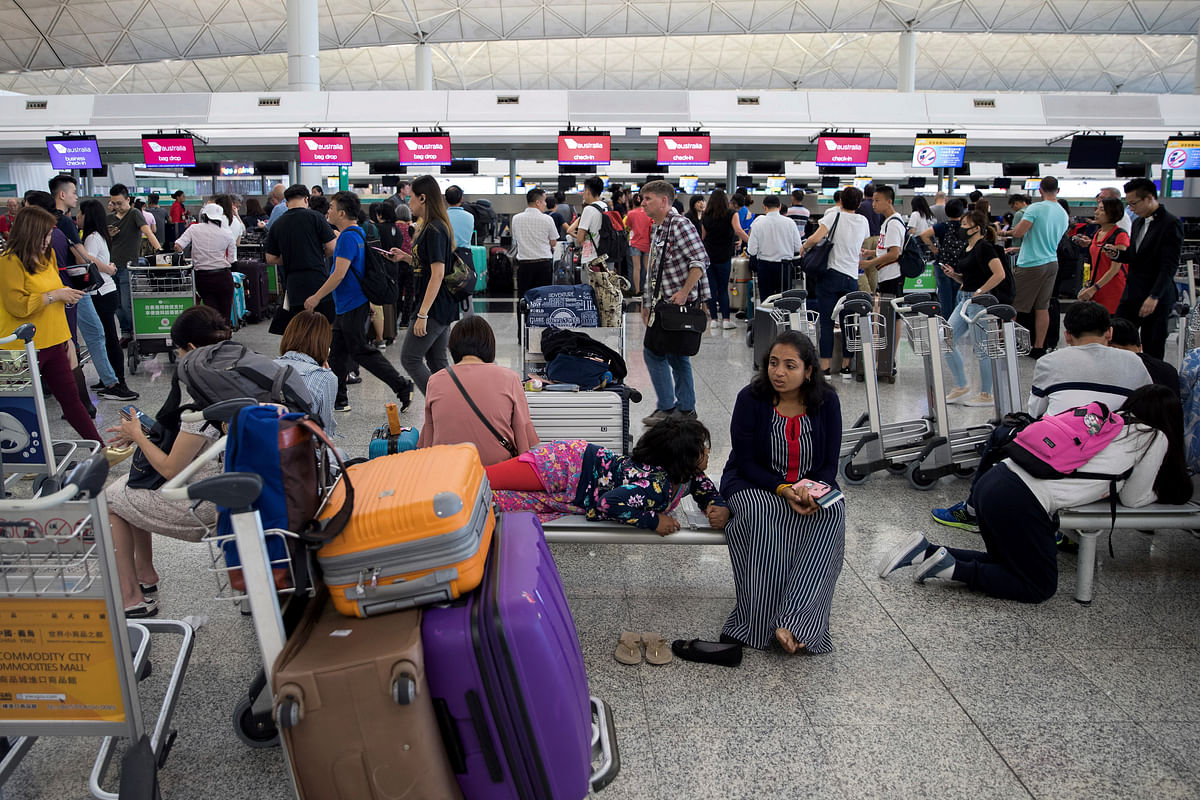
786, 640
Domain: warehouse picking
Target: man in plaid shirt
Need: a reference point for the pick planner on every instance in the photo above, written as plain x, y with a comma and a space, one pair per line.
683, 280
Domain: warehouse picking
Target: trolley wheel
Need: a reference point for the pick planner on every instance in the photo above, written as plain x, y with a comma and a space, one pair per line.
851, 474
171, 356
894, 468
287, 716
918, 479
133, 357
964, 472
750, 338
404, 690
253, 733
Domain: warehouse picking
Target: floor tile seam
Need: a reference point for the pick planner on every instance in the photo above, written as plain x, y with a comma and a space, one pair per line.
1184, 768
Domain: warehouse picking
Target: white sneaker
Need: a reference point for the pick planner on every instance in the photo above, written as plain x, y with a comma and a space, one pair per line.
728, 325
957, 395
981, 400
714, 324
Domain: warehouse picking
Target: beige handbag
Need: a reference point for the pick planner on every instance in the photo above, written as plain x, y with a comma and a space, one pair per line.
609, 288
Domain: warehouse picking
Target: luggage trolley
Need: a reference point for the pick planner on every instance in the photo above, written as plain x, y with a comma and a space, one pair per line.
61, 602
1000, 339
780, 312
25, 441
948, 451
871, 444
160, 293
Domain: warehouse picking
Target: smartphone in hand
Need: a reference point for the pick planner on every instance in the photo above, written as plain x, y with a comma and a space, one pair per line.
816, 489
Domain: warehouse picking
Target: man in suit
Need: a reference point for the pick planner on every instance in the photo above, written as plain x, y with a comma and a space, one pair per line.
1153, 257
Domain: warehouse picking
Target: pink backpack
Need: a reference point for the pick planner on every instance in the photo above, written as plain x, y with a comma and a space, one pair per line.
1057, 446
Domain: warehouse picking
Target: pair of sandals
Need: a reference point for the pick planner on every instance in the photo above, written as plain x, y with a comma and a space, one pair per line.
630, 649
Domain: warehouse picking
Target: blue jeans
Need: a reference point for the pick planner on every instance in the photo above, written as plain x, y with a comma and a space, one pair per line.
125, 306
963, 333
831, 286
947, 289
92, 333
672, 379
718, 287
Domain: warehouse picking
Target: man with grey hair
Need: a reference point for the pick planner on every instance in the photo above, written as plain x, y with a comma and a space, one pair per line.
675, 273
1126, 221
279, 205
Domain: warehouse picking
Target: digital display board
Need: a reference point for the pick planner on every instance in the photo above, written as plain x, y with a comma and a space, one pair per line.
325, 150
1182, 154
937, 152
577, 147
73, 152
843, 150
168, 151
683, 148
424, 149
1094, 152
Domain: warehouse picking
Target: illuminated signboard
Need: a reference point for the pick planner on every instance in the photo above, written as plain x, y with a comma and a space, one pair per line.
168, 151
325, 150
577, 147
73, 152
937, 152
843, 150
424, 149
683, 148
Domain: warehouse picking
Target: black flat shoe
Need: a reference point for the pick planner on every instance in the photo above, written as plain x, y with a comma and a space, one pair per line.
727, 639
700, 651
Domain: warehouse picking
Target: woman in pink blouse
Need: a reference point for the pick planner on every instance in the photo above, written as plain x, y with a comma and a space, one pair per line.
495, 390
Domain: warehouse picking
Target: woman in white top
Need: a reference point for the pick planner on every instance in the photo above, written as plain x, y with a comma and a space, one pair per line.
231, 205
94, 228
1017, 512
921, 218
848, 230
212, 248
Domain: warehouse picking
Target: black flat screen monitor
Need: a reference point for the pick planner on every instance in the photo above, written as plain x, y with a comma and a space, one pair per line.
1095, 152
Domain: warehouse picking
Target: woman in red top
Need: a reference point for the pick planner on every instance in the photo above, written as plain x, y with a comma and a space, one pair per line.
638, 225
1108, 276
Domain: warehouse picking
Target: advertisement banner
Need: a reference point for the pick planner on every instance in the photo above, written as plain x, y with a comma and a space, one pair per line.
73, 152
1182, 154
937, 152
325, 150
843, 151
424, 150
154, 316
584, 148
683, 148
168, 151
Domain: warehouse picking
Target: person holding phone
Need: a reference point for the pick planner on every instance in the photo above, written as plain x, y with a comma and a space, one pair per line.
785, 549
1108, 276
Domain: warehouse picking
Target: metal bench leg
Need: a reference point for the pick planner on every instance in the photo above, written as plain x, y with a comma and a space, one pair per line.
1085, 566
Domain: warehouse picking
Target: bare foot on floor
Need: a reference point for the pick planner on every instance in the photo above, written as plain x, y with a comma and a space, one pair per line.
786, 640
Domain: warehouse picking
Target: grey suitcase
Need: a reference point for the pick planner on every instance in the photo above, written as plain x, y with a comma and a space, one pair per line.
600, 417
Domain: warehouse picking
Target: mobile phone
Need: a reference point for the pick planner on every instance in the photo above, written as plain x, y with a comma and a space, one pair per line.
381, 250
816, 489
129, 412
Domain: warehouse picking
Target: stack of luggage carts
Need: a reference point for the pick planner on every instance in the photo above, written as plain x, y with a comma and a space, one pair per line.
437, 656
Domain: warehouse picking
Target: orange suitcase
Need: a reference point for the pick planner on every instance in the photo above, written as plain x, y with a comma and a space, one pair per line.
418, 534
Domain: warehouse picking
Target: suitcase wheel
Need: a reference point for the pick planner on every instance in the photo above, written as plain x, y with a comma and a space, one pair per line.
255, 732
404, 689
287, 713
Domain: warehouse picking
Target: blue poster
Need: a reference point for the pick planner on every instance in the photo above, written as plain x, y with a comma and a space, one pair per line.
936, 152
22, 440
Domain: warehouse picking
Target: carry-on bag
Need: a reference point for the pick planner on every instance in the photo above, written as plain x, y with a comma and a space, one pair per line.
393, 438
258, 294
419, 533
600, 417
504, 661
238, 311
479, 259
355, 712
562, 307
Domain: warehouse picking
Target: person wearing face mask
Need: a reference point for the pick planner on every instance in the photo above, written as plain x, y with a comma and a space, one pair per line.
980, 270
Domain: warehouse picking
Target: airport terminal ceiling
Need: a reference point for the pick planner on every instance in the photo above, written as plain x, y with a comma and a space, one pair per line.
105, 46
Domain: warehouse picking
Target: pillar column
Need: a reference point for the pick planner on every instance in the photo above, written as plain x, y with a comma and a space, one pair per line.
304, 54
424, 69
907, 74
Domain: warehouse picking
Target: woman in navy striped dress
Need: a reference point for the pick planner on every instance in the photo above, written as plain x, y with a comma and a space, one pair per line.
785, 549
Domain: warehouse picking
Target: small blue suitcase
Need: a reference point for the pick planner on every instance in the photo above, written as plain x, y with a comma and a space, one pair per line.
393, 438
239, 300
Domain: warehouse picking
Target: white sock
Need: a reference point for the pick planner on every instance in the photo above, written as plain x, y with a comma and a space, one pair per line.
945, 573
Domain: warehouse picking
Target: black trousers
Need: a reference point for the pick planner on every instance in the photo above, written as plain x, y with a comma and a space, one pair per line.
350, 345
532, 274
1153, 329
106, 308
1021, 562
215, 287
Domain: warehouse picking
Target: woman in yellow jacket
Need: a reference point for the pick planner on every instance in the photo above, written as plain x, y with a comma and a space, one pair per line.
31, 291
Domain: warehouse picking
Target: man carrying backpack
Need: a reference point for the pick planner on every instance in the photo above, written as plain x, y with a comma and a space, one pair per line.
351, 306
947, 241
586, 228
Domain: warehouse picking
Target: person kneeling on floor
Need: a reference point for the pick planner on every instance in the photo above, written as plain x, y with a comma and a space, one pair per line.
1017, 512
570, 476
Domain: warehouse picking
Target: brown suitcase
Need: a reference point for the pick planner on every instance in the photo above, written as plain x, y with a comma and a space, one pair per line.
355, 712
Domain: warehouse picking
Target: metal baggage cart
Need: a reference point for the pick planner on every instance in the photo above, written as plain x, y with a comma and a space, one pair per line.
26, 446
160, 293
79, 660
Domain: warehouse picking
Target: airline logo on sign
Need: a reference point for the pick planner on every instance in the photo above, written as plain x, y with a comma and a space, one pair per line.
584, 148
424, 150
74, 154
1182, 154
168, 152
683, 149
317, 151
843, 151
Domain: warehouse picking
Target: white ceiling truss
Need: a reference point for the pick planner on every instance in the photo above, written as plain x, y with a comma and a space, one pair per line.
103, 46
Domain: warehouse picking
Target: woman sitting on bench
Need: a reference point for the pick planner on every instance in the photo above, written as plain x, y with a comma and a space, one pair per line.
1018, 513
570, 476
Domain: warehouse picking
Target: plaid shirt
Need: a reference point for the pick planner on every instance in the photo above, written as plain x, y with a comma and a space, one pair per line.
684, 251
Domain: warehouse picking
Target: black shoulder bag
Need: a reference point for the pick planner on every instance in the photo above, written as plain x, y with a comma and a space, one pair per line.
816, 260
673, 330
505, 443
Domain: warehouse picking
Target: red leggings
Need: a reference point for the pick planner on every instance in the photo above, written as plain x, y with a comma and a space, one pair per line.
55, 366
514, 475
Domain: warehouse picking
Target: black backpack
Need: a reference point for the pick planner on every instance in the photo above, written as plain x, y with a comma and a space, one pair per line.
557, 341
485, 219
1006, 291
377, 282
953, 244
499, 271
912, 259
610, 242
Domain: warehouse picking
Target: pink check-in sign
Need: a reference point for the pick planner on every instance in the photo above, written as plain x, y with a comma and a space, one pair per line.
423, 150
584, 148
324, 151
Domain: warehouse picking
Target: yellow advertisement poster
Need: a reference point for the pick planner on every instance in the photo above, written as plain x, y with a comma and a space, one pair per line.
57, 662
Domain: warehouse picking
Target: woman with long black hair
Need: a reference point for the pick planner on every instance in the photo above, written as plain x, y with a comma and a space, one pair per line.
1017, 512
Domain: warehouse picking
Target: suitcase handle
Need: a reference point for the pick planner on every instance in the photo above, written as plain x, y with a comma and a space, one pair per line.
456, 753
393, 415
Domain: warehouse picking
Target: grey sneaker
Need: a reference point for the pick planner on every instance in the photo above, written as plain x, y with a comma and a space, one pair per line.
903, 554
687, 414
931, 566
657, 417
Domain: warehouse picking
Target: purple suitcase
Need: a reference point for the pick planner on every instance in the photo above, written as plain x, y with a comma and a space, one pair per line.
507, 677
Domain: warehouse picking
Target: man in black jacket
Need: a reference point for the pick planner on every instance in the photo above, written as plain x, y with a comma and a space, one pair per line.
1153, 257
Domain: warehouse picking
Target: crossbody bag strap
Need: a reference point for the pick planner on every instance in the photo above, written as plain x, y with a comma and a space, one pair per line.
320, 531
505, 443
662, 254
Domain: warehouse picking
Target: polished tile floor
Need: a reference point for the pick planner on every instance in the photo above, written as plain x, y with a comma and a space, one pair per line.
931, 692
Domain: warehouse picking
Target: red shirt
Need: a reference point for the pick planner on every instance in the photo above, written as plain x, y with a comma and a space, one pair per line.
178, 212
1110, 293
639, 229
6, 222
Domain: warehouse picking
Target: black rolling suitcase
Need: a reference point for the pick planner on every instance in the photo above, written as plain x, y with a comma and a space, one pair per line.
258, 299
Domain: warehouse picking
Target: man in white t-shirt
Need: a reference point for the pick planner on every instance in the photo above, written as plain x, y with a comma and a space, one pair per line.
891, 242
534, 235
586, 228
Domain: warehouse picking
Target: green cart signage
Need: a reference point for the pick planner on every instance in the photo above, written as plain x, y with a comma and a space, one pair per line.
154, 316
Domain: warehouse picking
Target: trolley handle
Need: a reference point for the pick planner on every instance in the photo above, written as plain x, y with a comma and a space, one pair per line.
929, 308
88, 479
985, 301
24, 332
176, 488
907, 304
236, 491
851, 296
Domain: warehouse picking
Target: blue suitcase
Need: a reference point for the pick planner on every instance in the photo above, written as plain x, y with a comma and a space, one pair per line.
562, 307
239, 313
393, 438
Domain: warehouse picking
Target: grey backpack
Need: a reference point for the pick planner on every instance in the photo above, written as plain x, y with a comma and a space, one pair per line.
229, 370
